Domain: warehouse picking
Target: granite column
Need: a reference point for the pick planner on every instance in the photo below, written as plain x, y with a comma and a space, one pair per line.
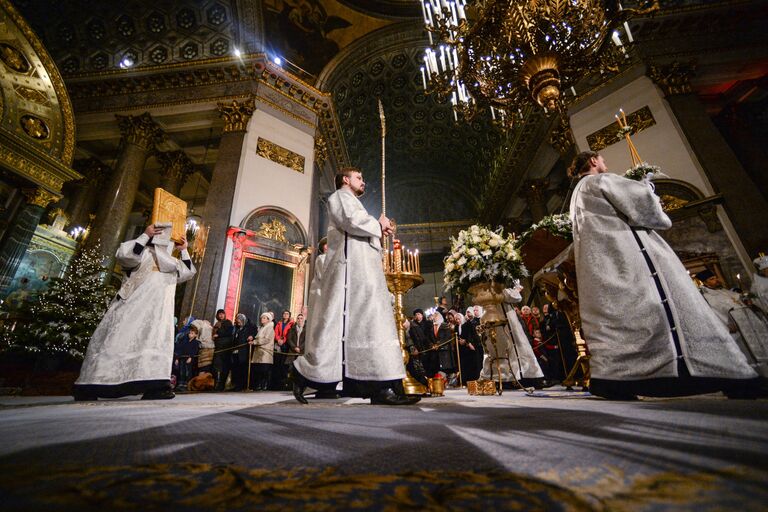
17, 240
140, 134
218, 209
175, 169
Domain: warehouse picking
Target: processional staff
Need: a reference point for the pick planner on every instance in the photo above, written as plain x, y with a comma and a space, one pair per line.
383, 168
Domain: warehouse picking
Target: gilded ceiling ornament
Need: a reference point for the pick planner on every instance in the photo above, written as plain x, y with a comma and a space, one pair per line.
33, 95
638, 121
237, 114
674, 78
93, 170
280, 155
35, 127
140, 130
40, 197
274, 230
13, 58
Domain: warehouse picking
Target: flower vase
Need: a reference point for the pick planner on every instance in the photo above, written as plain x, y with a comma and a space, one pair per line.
489, 295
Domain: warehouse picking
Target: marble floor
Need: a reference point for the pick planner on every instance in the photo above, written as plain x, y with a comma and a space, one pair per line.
697, 453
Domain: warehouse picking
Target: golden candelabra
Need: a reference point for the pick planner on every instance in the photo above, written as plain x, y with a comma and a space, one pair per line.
403, 272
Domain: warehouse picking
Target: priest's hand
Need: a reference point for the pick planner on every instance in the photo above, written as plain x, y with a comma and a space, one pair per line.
182, 244
386, 225
153, 230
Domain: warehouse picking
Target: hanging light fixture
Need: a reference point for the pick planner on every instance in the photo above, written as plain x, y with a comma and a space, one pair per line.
194, 222
504, 54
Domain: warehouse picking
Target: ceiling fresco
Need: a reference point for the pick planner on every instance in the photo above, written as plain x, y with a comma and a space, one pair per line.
309, 33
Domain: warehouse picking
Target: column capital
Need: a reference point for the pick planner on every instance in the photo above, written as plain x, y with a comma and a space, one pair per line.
140, 130
673, 78
533, 190
39, 197
92, 169
174, 164
236, 114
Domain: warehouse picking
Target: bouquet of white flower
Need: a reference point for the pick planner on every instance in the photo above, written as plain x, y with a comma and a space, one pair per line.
642, 170
480, 254
557, 224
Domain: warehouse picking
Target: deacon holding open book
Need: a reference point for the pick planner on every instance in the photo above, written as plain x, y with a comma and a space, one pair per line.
131, 351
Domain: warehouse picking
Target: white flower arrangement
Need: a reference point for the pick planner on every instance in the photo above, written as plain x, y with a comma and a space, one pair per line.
642, 170
479, 254
557, 224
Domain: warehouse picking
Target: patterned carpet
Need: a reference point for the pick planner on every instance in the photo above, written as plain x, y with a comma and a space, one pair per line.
556, 450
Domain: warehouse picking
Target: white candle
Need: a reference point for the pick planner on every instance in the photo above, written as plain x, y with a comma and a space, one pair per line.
629, 32
442, 58
423, 78
462, 14
455, 15
616, 39
433, 59
455, 57
493, 113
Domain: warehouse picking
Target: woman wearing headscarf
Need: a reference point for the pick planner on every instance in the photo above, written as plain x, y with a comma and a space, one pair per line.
261, 354
205, 336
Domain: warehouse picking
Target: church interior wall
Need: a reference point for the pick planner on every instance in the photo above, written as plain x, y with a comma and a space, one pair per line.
261, 182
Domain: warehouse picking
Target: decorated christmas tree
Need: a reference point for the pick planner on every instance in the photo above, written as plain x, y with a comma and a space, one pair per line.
67, 313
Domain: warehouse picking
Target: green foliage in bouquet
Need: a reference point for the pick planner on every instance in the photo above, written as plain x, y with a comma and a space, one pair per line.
67, 313
480, 254
642, 170
557, 224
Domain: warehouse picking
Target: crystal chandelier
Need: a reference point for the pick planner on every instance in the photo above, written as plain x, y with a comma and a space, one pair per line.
504, 54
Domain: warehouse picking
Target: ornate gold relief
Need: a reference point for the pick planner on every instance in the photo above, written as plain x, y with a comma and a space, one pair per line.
674, 78
561, 137
638, 120
321, 150
670, 203
237, 114
14, 59
274, 230
22, 52
33, 95
280, 155
140, 130
39, 197
35, 127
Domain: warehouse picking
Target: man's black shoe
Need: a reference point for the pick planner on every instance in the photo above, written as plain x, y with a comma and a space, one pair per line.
81, 397
327, 394
299, 386
158, 394
389, 397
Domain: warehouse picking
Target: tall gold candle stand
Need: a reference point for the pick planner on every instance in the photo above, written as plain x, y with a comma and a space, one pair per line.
403, 272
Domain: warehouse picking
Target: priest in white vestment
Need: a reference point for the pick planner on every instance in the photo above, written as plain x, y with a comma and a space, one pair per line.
516, 360
131, 350
351, 332
760, 283
746, 322
649, 330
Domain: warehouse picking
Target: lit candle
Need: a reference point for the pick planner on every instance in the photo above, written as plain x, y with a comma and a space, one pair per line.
460, 7
573, 91
629, 33
424, 12
455, 15
423, 78
623, 116
616, 39
738, 278
433, 59
455, 57
418, 263
442, 58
